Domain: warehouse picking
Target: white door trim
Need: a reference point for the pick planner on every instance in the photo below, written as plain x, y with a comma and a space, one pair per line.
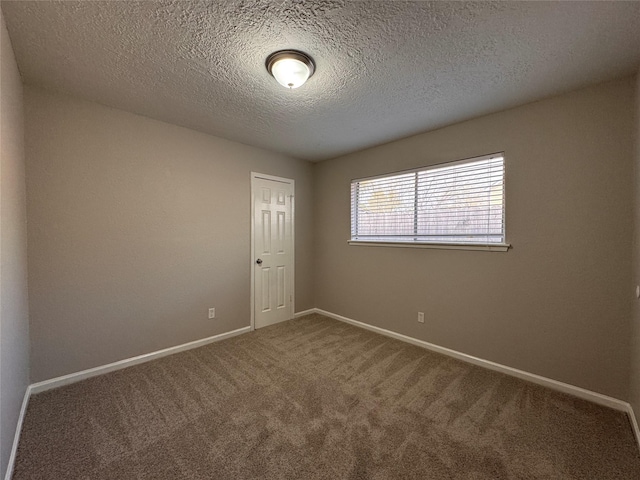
262, 176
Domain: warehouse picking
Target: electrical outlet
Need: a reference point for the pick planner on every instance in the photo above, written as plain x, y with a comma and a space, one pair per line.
212, 313
421, 317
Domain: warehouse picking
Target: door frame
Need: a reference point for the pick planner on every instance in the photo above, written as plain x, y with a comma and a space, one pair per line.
261, 176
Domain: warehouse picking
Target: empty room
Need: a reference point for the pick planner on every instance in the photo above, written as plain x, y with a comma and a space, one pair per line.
285, 239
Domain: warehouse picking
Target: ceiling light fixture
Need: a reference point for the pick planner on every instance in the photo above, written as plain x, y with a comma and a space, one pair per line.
290, 68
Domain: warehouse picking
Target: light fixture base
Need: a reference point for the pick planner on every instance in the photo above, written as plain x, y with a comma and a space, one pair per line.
289, 55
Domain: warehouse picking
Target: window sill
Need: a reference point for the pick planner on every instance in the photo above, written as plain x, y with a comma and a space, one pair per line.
490, 247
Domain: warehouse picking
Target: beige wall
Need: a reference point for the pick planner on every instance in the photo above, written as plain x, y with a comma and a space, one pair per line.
635, 319
136, 227
14, 315
558, 303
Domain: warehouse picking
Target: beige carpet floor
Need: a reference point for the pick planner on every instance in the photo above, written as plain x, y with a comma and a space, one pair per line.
314, 398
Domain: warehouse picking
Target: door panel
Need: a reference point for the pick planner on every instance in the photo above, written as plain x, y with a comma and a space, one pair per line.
266, 232
280, 282
265, 304
273, 250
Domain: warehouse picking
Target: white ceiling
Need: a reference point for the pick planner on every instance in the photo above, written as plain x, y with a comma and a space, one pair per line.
385, 69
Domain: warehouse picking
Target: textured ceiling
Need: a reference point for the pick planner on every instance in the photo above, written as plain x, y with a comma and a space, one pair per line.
385, 69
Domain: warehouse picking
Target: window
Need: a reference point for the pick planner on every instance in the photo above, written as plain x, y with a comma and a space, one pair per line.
452, 205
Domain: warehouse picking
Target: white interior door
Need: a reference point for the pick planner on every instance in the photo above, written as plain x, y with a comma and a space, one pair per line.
273, 251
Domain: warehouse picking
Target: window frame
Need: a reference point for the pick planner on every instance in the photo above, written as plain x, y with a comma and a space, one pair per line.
485, 246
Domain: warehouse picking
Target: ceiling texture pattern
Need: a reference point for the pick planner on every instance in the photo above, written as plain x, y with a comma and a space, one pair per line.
385, 69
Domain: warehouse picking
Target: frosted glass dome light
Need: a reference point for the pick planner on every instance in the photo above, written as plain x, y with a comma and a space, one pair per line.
290, 67
290, 72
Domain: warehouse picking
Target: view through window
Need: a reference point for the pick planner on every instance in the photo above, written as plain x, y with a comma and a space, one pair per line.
454, 203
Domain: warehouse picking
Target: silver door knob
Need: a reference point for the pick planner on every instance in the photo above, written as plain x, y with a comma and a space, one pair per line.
259, 261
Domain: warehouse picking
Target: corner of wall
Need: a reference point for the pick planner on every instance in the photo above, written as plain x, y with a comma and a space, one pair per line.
14, 311
634, 380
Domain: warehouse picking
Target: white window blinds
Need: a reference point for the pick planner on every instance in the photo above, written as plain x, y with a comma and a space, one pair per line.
454, 203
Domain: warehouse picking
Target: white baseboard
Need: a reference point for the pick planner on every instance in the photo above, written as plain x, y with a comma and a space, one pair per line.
16, 437
634, 423
533, 378
579, 392
128, 362
514, 372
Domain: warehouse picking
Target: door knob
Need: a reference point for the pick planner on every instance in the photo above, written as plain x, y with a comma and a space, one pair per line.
259, 261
